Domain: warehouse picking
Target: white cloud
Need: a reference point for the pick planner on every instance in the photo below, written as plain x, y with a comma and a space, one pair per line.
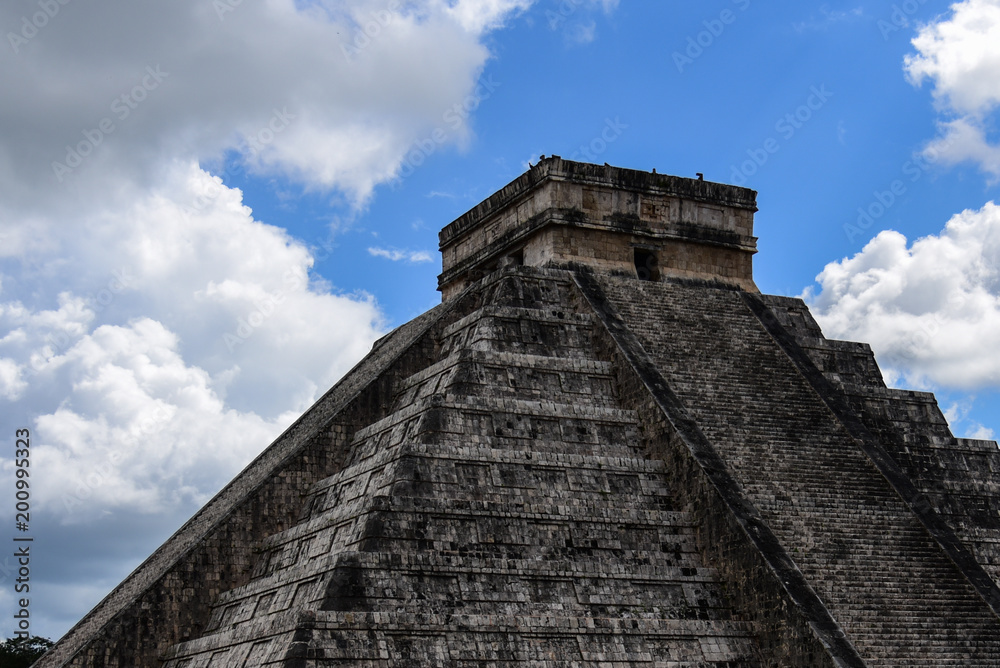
11, 382
397, 255
960, 55
132, 432
479, 15
185, 326
964, 139
332, 97
930, 310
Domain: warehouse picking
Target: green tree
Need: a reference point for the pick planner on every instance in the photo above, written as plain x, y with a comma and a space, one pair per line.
22, 652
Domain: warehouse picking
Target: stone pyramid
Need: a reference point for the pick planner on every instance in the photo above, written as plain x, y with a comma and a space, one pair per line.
604, 448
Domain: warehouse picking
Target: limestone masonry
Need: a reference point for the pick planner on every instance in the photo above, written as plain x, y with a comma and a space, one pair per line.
604, 448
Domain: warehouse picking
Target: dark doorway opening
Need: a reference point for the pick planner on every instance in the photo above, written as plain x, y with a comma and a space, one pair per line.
646, 266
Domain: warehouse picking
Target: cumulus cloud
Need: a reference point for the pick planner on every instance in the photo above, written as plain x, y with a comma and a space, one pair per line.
154, 334
960, 56
930, 309
131, 434
183, 326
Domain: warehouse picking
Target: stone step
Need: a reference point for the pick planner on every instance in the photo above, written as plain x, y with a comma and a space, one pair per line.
496, 421
513, 375
350, 585
486, 526
557, 314
477, 469
406, 638
533, 287
634, 566
493, 469
476, 480
543, 332
507, 410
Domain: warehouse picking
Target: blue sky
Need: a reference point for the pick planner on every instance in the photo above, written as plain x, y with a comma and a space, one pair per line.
158, 326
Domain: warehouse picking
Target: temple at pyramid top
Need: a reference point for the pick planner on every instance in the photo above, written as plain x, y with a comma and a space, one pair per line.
620, 221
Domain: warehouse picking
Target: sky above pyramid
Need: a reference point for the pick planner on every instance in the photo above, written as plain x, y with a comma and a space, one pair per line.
209, 209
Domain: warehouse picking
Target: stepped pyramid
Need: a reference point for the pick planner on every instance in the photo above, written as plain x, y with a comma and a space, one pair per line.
604, 448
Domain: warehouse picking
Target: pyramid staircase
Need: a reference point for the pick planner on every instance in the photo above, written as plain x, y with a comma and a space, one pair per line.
503, 512
957, 476
895, 592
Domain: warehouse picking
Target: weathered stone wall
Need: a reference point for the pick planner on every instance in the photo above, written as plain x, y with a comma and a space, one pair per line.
563, 213
167, 599
613, 253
